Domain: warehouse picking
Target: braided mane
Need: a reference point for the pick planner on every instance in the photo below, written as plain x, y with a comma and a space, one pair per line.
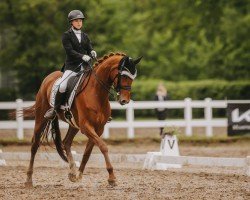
102, 59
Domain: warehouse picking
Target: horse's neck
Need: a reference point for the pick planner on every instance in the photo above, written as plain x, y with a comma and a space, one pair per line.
102, 82
104, 70
103, 74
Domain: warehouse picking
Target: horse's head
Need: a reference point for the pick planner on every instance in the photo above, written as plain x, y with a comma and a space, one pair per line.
124, 76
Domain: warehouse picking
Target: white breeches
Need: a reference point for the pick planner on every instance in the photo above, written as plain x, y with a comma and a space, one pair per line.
64, 80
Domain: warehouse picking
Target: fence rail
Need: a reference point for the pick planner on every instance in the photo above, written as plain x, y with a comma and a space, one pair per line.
130, 123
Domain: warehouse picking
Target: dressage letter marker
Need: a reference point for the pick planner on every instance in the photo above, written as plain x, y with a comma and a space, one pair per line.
169, 147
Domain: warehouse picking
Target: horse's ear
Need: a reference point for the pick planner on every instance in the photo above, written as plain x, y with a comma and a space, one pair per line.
137, 60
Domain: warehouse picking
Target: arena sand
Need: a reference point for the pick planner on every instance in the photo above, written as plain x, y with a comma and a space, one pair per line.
51, 181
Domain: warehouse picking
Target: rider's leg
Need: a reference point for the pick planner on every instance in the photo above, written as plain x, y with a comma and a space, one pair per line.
60, 95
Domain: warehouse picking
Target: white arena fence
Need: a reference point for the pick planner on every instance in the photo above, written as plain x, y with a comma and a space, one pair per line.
188, 122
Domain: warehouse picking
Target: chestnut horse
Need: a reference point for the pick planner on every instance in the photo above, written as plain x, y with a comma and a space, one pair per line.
91, 110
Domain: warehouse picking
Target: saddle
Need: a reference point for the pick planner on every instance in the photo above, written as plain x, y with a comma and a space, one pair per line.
74, 86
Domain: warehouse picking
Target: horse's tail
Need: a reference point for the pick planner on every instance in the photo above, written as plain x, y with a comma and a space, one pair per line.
26, 112
56, 135
29, 111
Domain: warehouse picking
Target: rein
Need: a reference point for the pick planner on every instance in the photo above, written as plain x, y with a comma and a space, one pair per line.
87, 74
116, 88
107, 88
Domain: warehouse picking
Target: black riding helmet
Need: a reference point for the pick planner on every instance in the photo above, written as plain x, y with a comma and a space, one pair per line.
75, 14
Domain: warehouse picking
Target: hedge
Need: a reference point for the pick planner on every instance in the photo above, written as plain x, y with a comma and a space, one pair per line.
144, 89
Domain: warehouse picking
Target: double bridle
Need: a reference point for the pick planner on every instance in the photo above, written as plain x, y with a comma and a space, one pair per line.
122, 71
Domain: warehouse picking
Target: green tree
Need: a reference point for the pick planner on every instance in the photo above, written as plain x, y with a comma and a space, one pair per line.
179, 40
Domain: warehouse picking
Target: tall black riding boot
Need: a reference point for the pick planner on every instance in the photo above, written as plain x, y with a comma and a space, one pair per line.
59, 99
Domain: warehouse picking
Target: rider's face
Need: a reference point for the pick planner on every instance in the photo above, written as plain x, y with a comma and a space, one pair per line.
77, 23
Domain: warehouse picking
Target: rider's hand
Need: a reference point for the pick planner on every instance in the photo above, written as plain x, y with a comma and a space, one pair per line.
86, 58
93, 54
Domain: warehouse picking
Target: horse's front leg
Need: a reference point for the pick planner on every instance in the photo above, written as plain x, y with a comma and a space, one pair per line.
95, 138
67, 145
85, 158
87, 153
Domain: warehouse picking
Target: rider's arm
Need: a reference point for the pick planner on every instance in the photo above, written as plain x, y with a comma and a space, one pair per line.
68, 47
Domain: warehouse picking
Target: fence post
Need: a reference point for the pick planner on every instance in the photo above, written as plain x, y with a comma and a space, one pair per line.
208, 116
130, 119
106, 132
248, 165
19, 118
188, 116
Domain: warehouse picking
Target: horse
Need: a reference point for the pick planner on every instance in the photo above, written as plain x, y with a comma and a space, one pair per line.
90, 108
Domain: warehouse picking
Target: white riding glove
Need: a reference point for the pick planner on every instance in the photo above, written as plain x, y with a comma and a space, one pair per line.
93, 54
86, 58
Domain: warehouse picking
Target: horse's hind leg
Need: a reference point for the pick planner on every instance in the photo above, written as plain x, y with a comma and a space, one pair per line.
40, 123
35, 145
67, 145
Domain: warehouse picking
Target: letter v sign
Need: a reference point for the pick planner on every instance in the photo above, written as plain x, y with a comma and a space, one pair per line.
236, 117
171, 145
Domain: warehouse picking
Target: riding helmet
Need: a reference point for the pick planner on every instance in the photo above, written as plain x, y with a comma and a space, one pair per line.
75, 14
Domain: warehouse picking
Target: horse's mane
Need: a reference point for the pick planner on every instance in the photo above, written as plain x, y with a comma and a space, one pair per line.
105, 57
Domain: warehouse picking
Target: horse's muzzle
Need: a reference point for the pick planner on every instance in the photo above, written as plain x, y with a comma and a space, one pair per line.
123, 102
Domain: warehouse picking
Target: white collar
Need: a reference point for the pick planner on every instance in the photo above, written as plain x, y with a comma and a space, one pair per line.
76, 31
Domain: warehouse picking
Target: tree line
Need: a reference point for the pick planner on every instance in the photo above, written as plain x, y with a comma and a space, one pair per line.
179, 40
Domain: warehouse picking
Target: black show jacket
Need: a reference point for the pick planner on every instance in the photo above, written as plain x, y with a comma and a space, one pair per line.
75, 50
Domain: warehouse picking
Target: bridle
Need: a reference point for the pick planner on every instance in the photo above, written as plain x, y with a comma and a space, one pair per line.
122, 71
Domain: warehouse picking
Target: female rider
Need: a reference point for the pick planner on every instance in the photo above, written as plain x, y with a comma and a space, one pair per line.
78, 50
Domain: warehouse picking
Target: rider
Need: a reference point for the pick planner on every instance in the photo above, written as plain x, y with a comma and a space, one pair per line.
78, 50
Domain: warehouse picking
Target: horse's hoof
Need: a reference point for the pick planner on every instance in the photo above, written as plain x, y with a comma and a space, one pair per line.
79, 176
112, 182
28, 184
72, 177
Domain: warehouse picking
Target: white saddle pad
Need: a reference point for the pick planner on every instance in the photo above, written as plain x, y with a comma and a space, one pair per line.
54, 90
